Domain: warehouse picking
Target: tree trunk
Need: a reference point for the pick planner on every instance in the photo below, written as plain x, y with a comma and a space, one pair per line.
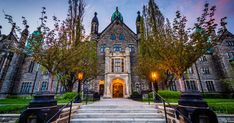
51, 80
182, 86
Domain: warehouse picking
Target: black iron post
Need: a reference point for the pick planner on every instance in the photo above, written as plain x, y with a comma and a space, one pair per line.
156, 98
78, 99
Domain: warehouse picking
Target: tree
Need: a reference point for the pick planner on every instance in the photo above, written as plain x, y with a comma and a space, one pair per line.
175, 49
64, 50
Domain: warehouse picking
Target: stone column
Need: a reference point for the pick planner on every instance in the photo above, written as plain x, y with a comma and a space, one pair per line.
128, 66
107, 70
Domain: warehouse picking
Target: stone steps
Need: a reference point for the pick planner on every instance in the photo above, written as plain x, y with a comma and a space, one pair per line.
119, 115
118, 111
117, 120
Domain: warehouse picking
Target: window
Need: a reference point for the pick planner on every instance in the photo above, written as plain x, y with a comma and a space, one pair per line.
113, 37
102, 48
121, 37
210, 86
117, 48
44, 86
190, 70
203, 59
173, 86
26, 87
31, 66
190, 85
205, 70
131, 47
230, 55
118, 65
230, 43
2, 60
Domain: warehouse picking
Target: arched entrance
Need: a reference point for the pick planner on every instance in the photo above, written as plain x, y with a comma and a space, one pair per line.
118, 88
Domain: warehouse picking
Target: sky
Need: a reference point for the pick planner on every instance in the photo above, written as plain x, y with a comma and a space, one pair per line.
31, 10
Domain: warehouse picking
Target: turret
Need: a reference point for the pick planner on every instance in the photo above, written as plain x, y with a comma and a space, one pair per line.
138, 22
24, 36
94, 24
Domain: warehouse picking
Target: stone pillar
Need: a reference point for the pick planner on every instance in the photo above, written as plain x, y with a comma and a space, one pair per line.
128, 66
107, 70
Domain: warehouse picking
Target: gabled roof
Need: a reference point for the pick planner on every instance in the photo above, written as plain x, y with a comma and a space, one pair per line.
117, 22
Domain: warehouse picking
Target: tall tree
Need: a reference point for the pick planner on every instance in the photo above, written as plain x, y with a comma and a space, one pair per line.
175, 49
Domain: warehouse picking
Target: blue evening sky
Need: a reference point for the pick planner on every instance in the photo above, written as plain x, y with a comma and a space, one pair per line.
31, 10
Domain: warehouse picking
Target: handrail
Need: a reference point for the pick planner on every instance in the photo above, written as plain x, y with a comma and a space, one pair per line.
60, 110
164, 101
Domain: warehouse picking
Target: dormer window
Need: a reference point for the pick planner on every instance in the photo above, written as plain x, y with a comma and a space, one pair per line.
121, 37
113, 37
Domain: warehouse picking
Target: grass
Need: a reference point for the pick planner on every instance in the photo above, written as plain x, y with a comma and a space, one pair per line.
225, 106
18, 104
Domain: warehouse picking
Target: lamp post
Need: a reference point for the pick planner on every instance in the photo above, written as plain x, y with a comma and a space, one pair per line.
79, 77
155, 76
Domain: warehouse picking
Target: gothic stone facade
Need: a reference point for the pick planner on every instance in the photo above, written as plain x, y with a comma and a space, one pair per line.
117, 47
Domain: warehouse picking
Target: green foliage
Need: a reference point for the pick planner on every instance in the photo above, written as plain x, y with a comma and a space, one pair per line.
136, 96
12, 108
169, 94
69, 95
216, 95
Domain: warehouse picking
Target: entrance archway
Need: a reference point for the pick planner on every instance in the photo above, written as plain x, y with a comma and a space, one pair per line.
118, 88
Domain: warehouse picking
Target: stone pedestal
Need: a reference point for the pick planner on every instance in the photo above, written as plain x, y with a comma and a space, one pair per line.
40, 109
192, 105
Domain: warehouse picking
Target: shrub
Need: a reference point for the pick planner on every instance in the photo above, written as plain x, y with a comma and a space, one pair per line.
169, 94
136, 96
69, 95
216, 95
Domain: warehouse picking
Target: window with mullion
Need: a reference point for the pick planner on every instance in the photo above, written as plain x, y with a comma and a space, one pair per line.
210, 86
117, 48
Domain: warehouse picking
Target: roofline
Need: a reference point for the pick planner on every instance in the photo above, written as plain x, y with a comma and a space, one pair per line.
114, 22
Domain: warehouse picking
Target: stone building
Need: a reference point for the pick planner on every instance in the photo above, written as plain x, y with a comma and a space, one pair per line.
117, 47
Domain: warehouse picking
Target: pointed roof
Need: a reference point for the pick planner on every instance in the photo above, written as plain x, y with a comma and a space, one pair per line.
95, 19
117, 15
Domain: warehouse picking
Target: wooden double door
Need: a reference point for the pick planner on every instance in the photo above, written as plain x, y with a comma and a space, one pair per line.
118, 90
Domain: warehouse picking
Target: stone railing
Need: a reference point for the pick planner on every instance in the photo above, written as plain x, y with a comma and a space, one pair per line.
64, 115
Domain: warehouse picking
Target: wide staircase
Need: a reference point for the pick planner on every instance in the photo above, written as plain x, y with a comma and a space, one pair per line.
118, 111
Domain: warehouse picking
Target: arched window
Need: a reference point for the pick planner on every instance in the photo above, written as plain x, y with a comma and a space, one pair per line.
102, 48
121, 37
113, 37
44, 86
